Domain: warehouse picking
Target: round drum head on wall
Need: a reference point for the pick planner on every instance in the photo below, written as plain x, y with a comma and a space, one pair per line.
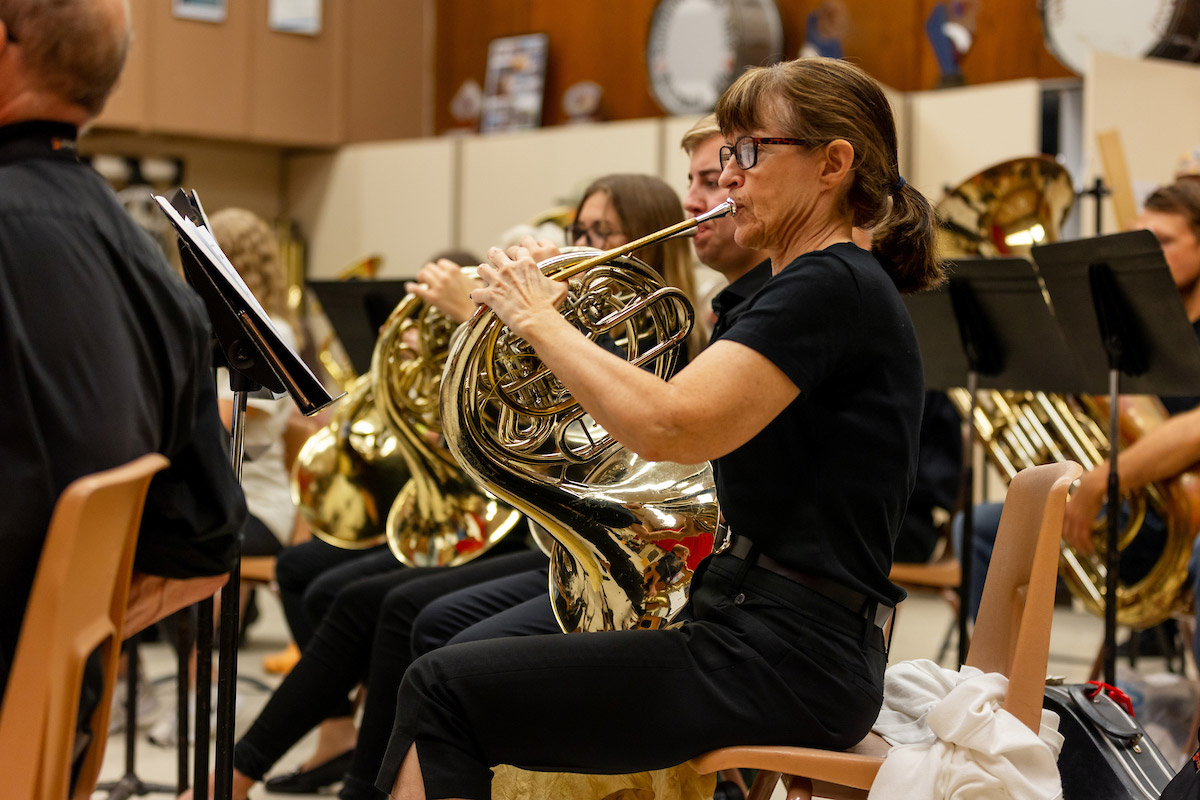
1129, 28
697, 48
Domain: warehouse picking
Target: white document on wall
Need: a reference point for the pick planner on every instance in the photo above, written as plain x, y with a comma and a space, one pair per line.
295, 16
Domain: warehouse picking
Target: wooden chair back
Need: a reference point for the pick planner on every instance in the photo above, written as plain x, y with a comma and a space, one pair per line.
76, 606
1012, 630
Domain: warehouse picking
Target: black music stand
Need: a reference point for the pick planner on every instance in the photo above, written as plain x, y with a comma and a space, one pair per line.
256, 357
988, 327
356, 309
1123, 315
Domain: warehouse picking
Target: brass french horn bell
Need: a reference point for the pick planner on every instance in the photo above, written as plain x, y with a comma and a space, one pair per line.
440, 517
513, 426
1006, 209
348, 473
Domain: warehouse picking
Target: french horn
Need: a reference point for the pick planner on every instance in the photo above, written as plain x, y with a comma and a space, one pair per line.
347, 474
1004, 210
377, 471
441, 517
617, 519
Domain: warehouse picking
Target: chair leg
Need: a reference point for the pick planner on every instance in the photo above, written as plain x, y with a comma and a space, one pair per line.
733, 776
764, 785
797, 788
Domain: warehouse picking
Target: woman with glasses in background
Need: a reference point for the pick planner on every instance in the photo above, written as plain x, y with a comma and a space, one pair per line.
617, 209
810, 407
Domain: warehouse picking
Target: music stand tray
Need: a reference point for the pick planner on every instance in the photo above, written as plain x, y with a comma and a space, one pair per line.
990, 325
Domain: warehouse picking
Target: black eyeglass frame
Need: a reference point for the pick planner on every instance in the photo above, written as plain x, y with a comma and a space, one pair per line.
737, 150
575, 230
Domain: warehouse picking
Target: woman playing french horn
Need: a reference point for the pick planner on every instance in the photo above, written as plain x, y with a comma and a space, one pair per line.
809, 407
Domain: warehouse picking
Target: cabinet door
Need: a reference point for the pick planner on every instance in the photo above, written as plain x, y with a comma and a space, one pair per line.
297, 82
199, 72
127, 106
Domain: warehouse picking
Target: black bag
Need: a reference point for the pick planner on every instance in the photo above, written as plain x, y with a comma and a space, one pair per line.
1186, 783
1106, 754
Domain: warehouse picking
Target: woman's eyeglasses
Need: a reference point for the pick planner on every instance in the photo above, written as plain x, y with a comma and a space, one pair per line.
745, 149
594, 236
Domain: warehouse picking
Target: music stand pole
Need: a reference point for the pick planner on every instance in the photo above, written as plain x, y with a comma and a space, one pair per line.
1112, 552
231, 592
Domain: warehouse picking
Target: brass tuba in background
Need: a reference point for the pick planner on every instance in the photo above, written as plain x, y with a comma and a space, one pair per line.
1023, 429
617, 519
1004, 210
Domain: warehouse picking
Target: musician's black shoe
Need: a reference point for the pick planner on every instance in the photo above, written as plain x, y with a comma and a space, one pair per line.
309, 781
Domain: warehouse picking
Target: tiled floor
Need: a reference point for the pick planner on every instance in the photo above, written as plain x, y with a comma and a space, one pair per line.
922, 626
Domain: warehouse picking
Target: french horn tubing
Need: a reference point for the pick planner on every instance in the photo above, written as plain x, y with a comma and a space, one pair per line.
377, 471
441, 517
616, 518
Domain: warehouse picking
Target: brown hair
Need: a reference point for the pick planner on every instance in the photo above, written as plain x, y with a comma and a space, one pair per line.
646, 204
73, 47
1181, 197
252, 248
820, 100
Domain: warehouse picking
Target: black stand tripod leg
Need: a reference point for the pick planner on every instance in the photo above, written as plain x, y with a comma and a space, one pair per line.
204, 642
130, 785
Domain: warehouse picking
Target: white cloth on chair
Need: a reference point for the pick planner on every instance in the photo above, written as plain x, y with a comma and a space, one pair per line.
952, 738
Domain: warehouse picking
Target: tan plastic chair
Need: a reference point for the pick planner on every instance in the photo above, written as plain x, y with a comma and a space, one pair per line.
1012, 636
77, 604
941, 576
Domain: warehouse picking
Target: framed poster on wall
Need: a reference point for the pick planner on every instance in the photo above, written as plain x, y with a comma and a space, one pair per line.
516, 78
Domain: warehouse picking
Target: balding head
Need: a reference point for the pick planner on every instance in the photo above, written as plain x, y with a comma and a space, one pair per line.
66, 52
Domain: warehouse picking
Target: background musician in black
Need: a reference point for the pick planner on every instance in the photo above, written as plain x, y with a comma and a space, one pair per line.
810, 404
104, 351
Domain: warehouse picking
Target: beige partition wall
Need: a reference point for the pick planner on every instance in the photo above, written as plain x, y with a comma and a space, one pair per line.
1153, 105
508, 179
394, 199
956, 133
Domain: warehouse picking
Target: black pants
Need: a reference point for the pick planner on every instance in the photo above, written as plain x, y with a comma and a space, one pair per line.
514, 605
765, 661
364, 637
310, 575
257, 539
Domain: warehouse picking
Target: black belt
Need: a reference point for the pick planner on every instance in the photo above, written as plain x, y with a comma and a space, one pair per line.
855, 602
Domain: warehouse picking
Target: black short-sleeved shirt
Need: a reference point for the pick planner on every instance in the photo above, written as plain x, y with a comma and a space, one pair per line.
104, 356
823, 487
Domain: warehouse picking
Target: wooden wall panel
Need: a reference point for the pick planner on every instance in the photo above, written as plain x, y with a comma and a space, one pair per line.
389, 69
296, 81
606, 43
127, 106
200, 72
1008, 45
